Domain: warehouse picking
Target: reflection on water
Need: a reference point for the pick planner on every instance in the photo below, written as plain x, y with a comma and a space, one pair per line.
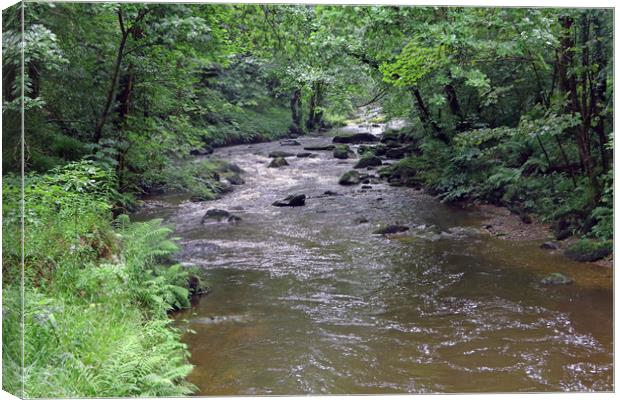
306, 300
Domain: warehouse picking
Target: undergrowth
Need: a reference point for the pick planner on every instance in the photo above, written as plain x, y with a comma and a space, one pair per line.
97, 293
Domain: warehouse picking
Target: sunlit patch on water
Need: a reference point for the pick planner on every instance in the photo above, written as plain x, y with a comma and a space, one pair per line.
307, 300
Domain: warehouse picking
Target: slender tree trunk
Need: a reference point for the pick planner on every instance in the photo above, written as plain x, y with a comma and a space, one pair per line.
599, 92
113, 81
568, 84
453, 101
426, 118
296, 112
124, 97
315, 114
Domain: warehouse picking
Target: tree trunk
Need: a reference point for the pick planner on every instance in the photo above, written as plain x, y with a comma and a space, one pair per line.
568, 84
112, 88
599, 92
296, 128
124, 96
315, 114
426, 118
453, 102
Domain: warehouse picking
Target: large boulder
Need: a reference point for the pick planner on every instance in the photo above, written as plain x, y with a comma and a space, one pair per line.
356, 138
277, 162
282, 154
294, 200
218, 215
391, 229
304, 155
327, 147
350, 178
589, 250
368, 161
342, 152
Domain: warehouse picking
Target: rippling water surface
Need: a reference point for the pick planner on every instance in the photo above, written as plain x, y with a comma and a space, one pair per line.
305, 300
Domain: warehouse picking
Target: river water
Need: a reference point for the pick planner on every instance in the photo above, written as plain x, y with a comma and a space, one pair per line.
305, 300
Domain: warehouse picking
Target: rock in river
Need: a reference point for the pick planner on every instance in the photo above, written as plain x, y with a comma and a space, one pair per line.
368, 161
218, 215
304, 155
234, 178
289, 142
327, 147
356, 138
550, 246
276, 154
589, 250
277, 162
350, 178
390, 229
342, 152
294, 200
557, 278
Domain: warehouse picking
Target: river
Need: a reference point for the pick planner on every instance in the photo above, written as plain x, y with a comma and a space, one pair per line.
305, 300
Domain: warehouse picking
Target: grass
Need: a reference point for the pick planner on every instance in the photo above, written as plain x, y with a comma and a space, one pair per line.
97, 294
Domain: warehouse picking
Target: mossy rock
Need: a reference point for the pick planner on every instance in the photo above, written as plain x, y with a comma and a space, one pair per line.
350, 178
357, 138
589, 250
342, 152
368, 161
327, 147
557, 278
234, 178
280, 154
278, 162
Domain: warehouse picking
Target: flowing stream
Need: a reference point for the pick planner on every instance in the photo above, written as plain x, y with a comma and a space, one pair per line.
305, 300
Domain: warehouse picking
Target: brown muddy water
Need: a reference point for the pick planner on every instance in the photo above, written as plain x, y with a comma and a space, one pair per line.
307, 301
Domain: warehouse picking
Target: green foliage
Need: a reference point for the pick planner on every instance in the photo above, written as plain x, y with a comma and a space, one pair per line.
413, 64
603, 214
97, 294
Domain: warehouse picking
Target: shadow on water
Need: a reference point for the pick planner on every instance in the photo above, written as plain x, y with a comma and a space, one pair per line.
305, 300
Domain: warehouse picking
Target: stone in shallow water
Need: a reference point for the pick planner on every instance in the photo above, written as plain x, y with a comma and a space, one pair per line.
294, 200
350, 178
557, 278
218, 215
277, 162
342, 152
391, 229
278, 154
289, 142
356, 138
327, 147
368, 161
550, 246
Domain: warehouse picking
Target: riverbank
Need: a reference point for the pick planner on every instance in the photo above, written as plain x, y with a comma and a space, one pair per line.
503, 224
